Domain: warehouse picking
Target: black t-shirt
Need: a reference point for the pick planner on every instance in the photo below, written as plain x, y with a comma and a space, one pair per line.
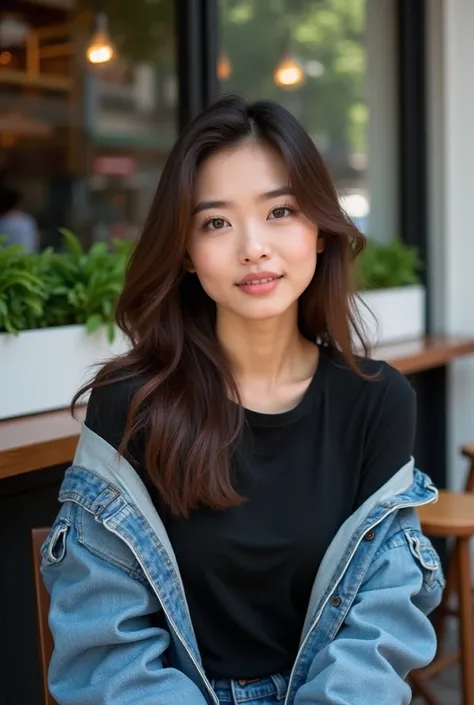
248, 571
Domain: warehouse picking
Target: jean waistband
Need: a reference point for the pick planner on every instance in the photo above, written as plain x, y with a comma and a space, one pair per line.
242, 691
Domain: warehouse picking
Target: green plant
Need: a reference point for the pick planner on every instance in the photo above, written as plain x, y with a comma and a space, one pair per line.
22, 291
61, 288
386, 265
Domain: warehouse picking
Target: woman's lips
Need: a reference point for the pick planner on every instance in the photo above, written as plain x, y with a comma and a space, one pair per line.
261, 283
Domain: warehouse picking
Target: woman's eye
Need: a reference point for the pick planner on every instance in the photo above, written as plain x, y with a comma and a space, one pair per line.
280, 212
215, 224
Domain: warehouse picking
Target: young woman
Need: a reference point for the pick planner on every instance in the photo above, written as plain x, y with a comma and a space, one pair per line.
239, 524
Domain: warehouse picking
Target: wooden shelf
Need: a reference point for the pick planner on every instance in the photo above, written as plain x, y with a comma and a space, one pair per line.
35, 442
44, 80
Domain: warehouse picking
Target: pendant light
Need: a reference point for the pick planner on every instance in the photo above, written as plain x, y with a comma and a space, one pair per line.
224, 67
101, 49
289, 73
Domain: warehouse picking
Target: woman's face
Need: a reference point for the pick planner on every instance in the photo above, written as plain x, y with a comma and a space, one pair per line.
250, 245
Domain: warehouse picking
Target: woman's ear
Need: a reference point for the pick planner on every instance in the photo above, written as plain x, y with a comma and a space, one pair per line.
320, 245
188, 264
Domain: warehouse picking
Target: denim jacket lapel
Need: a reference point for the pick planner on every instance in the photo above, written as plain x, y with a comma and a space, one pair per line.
406, 488
96, 456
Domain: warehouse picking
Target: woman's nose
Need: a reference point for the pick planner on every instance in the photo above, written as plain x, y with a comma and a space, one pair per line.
255, 246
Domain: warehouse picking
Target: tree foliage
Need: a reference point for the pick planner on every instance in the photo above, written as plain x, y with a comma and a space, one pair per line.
255, 36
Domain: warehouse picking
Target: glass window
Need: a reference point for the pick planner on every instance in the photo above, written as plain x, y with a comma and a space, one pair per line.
88, 112
332, 63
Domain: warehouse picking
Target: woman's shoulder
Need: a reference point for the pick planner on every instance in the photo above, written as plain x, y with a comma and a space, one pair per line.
376, 378
390, 382
108, 405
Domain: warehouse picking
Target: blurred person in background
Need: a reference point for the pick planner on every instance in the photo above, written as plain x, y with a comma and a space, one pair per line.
17, 226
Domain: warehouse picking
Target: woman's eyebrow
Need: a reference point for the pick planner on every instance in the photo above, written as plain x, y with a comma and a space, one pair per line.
210, 205
274, 193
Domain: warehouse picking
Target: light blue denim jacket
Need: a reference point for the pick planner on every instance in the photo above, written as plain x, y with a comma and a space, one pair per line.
121, 625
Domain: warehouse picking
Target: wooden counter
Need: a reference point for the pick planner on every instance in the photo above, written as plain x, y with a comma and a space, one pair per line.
39, 441
35, 442
424, 353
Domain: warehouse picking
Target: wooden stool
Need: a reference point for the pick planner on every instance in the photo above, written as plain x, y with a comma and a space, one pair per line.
453, 517
446, 609
38, 537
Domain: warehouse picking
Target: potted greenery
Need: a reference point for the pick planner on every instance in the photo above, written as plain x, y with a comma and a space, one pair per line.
391, 296
57, 314
56, 321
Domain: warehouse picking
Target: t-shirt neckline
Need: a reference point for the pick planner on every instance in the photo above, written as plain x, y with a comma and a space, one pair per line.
304, 406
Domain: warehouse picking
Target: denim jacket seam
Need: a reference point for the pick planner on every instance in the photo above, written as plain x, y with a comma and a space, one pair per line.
427, 585
400, 542
344, 610
80, 497
78, 523
136, 515
73, 496
156, 542
129, 570
130, 510
121, 508
81, 500
350, 594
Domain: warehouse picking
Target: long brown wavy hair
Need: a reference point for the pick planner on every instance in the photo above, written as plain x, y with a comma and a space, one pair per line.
182, 405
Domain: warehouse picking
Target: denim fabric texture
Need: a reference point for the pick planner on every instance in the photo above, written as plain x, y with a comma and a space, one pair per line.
264, 691
121, 624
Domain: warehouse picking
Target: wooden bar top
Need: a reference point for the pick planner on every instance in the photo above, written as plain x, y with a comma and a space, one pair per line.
421, 354
39, 441
35, 442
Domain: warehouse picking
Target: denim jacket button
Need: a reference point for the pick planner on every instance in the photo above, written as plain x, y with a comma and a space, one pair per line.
370, 535
335, 601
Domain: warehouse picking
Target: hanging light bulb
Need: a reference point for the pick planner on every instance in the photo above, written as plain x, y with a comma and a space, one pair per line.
100, 49
289, 73
224, 67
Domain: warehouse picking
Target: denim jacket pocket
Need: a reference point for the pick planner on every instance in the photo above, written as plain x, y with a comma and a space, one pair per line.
106, 545
427, 558
53, 551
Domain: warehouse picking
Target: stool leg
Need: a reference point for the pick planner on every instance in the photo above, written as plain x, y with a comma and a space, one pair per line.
449, 590
466, 624
421, 689
470, 479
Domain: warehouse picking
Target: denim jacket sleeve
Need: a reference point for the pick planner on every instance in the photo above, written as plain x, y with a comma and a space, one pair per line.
109, 647
386, 633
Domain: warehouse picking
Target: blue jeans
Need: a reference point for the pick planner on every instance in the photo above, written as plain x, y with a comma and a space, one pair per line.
262, 691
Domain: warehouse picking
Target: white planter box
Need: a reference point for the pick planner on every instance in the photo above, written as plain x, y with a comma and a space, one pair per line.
394, 314
41, 370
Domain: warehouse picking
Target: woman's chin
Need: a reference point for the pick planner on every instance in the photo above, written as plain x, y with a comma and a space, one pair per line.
263, 310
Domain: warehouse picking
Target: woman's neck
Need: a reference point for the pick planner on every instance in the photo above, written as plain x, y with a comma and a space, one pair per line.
269, 352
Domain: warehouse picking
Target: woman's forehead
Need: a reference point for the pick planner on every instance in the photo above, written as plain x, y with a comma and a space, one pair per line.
249, 168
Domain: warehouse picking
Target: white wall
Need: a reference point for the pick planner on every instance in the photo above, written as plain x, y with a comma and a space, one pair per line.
451, 148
